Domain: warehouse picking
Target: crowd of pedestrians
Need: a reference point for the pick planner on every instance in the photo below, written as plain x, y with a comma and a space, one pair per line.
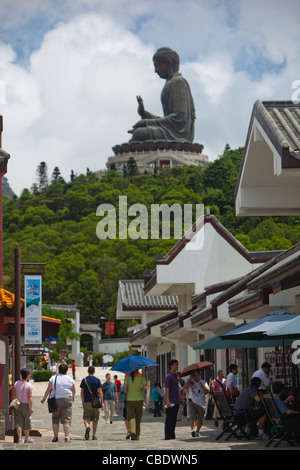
182, 397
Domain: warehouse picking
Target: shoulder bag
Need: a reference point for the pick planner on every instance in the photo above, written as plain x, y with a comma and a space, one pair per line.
95, 399
14, 404
52, 405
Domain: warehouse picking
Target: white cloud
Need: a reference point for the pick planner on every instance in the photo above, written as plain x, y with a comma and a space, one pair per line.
76, 98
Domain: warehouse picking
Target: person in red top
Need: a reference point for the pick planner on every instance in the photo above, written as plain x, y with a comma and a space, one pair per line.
118, 384
218, 385
73, 369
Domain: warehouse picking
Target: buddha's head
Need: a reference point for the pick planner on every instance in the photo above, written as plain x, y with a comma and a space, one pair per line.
166, 62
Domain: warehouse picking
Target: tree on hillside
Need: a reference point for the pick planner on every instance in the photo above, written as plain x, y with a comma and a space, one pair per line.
56, 175
42, 177
132, 168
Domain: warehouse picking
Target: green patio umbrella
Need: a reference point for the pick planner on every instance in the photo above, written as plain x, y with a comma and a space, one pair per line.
218, 342
290, 329
258, 329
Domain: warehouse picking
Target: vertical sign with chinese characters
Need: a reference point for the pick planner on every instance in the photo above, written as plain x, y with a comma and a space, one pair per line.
33, 309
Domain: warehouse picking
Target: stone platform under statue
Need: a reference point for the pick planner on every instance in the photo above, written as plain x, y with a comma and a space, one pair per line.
150, 154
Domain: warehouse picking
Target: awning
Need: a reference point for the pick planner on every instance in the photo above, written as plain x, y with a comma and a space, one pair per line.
50, 326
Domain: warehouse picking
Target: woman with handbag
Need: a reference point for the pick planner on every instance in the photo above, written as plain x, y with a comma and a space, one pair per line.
64, 387
23, 409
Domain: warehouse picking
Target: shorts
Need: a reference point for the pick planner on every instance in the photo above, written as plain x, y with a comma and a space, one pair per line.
90, 413
23, 417
249, 416
196, 412
64, 411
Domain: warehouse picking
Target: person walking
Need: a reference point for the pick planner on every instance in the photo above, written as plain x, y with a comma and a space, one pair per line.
172, 399
118, 384
181, 384
22, 389
91, 386
197, 389
63, 387
232, 391
218, 385
110, 396
122, 407
73, 369
53, 367
155, 397
134, 386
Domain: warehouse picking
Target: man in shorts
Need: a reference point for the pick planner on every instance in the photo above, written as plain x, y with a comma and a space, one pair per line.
90, 385
196, 389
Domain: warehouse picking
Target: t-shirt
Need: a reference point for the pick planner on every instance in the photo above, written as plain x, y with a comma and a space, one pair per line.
231, 380
155, 395
171, 382
109, 389
63, 387
265, 380
134, 392
53, 369
196, 393
94, 384
282, 407
245, 400
218, 385
118, 384
18, 386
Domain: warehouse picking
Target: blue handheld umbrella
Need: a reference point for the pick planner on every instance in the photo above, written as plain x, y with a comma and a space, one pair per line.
131, 363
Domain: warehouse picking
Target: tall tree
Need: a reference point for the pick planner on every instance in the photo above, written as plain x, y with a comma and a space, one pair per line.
56, 175
42, 175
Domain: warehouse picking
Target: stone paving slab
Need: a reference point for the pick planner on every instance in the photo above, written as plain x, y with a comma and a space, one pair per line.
112, 437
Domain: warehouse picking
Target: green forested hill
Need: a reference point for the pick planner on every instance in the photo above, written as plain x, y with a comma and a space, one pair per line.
55, 223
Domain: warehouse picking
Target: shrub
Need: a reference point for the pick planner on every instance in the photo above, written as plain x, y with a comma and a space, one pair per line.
41, 375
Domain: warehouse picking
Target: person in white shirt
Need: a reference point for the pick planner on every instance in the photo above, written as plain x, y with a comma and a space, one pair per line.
264, 374
196, 389
64, 388
53, 367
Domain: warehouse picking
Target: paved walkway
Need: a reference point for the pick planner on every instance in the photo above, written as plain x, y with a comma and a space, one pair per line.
111, 437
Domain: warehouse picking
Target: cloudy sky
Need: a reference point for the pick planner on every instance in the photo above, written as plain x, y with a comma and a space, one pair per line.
70, 71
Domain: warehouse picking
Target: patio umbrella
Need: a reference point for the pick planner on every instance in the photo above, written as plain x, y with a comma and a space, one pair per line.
132, 363
258, 328
196, 366
290, 329
216, 342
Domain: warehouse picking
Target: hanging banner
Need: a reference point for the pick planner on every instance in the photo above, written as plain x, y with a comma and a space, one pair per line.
33, 309
110, 328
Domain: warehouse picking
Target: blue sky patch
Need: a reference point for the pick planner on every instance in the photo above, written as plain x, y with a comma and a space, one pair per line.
256, 64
